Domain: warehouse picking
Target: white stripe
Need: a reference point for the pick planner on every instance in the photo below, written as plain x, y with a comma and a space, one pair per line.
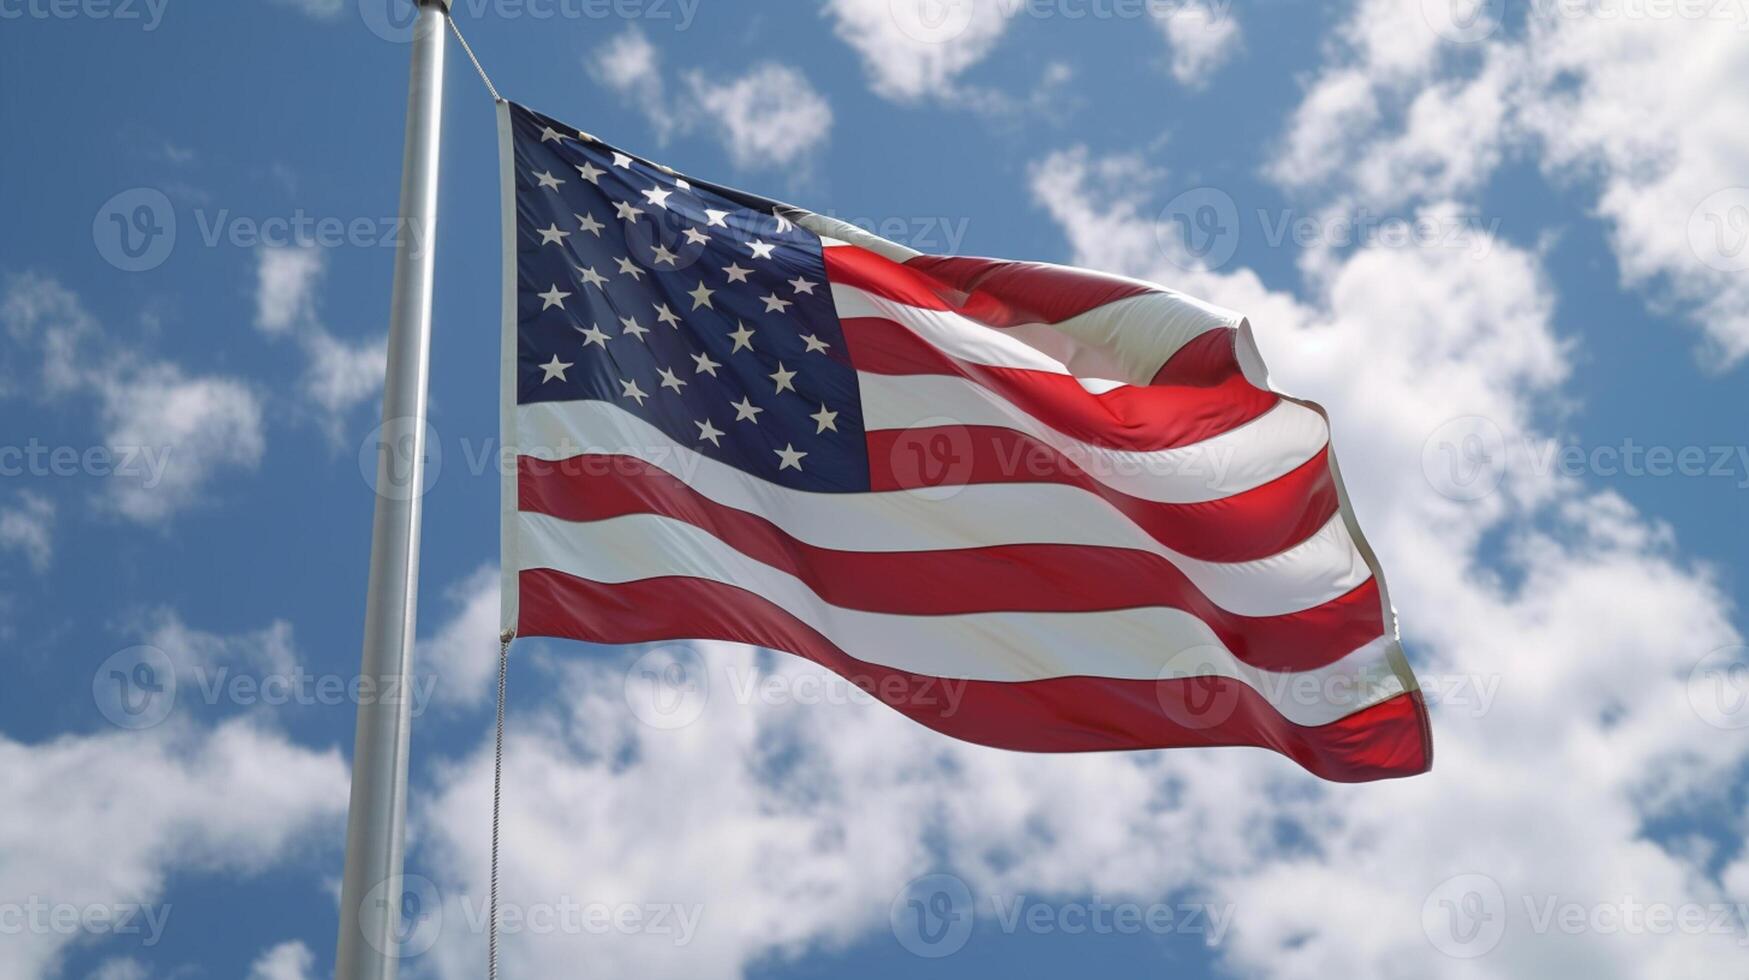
1319, 569
1135, 644
1127, 339
1241, 458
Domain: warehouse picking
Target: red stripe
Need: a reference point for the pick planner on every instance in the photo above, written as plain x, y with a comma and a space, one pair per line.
1208, 360
1027, 577
1134, 417
1001, 294
1066, 714
1255, 523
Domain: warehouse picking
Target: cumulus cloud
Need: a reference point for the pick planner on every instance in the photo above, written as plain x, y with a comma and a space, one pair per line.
1201, 37
128, 809
770, 118
287, 961
1632, 107
339, 374
169, 433
915, 49
462, 652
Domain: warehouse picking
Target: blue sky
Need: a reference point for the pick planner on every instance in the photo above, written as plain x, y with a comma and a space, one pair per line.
1507, 253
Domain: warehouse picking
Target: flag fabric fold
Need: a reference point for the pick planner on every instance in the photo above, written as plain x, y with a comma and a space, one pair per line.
1029, 506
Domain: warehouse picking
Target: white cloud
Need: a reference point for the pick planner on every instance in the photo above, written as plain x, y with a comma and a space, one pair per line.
120, 968
199, 427
630, 65
285, 292
168, 433
28, 527
339, 374
1202, 37
1639, 106
463, 651
269, 651
127, 809
287, 961
769, 118
916, 49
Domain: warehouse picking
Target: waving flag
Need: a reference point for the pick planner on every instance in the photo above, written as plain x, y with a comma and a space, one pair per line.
1073, 496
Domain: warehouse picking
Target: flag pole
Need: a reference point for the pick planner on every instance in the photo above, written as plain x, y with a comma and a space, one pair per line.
372, 888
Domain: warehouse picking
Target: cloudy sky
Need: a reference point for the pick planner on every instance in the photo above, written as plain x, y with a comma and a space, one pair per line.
1506, 244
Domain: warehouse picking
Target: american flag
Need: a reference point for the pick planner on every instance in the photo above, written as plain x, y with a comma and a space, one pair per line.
1072, 495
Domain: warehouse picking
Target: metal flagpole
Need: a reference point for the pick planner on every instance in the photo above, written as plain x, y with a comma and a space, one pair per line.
372, 888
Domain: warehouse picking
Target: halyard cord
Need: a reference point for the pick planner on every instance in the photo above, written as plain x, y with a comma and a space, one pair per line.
477, 67
497, 801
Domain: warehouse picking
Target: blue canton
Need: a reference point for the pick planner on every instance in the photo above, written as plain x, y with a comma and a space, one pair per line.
702, 310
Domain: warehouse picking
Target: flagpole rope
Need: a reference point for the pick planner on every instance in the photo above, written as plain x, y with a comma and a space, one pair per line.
497, 799
477, 66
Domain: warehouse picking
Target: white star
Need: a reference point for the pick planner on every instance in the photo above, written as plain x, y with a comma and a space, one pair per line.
626, 211
658, 197
707, 431
696, 237
801, 285
784, 378
790, 457
745, 410
663, 255
593, 335
682, 183
630, 268
592, 277
826, 420
621, 160
549, 134
590, 172
548, 180
632, 391
705, 365
736, 273
666, 315
632, 328
715, 218
760, 249
553, 297
551, 235
670, 380
815, 344
589, 224
701, 297
742, 337
554, 368
775, 305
